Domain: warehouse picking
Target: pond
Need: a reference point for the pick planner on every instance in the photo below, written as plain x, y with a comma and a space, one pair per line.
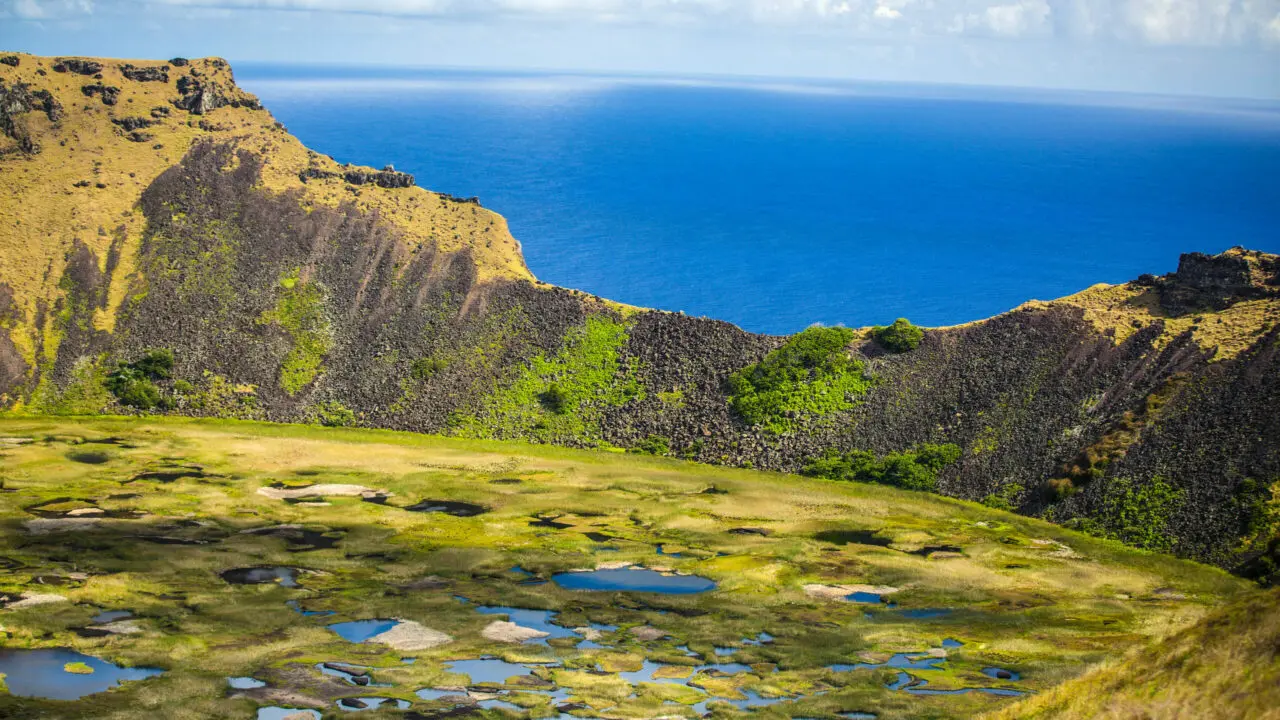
41, 674
487, 670
541, 620
280, 713
449, 507
245, 683
360, 704
285, 576
357, 631
634, 580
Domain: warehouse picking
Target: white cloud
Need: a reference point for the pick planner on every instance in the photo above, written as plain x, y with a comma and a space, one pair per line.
49, 9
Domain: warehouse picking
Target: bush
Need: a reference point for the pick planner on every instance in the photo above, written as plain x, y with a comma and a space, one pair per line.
424, 368
915, 469
653, 445
1006, 498
334, 414
900, 337
554, 399
811, 375
133, 383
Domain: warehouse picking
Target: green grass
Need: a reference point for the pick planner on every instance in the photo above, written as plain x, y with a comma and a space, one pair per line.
300, 312
812, 375
562, 398
1027, 595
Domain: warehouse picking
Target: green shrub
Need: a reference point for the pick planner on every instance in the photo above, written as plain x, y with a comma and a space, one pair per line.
653, 445
334, 414
554, 399
811, 375
133, 383
900, 337
1006, 498
914, 469
424, 368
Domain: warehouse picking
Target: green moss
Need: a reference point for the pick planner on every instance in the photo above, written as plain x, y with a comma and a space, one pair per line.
300, 312
653, 445
1136, 514
333, 414
562, 398
672, 398
77, 668
900, 337
812, 375
85, 393
915, 469
219, 397
1006, 498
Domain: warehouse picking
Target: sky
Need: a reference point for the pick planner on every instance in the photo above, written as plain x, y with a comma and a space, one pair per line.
1225, 48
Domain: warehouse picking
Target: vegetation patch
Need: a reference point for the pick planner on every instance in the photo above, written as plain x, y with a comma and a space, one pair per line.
914, 469
812, 375
563, 398
900, 337
134, 384
299, 311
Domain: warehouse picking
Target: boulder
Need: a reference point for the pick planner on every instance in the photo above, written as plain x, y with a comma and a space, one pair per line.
411, 636
509, 632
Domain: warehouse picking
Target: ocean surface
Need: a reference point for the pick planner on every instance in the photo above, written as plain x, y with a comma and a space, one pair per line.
776, 205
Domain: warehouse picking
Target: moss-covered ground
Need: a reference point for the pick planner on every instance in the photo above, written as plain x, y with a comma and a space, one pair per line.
144, 515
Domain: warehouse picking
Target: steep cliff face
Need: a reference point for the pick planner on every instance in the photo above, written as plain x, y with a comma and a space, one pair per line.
290, 288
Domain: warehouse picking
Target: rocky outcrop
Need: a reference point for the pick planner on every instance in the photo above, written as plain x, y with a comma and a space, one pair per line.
1215, 282
17, 100
108, 93
10, 60
78, 66
387, 178
151, 73
129, 124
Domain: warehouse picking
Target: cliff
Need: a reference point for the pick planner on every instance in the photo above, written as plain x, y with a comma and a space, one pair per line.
179, 216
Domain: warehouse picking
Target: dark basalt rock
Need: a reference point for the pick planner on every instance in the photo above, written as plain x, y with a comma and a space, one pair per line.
179, 62
10, 60
17, 100
159, 112
1215, 282
449, 507
133, 123
381, 178
145, 74
473, 200
77, 66
109, 93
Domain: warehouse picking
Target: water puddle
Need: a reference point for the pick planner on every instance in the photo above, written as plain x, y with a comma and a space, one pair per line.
244, 683
448, 507
286, 576
925, 613
1001, 673
110, 616
280, 713
43, 674
853, 537
864, 597
488, 670
900, 661
541, 620
545, 522
357, 631
634, 580
951, 643
362, 704
357, 675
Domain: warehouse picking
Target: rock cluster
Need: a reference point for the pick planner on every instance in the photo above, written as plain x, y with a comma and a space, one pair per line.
1214, 282
387, 178
10, 60
145, 74
108, 93
77, 66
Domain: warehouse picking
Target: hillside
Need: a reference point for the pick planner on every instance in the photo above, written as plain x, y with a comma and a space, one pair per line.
287, 288
229, 557
1223, 667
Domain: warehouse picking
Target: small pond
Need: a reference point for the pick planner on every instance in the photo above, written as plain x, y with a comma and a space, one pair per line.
41, 674
280, 713
357, 631
634, 580
1001, 674
361, 704
285, 576
486, 670
540, 620
110, 616
245, 683
448, 507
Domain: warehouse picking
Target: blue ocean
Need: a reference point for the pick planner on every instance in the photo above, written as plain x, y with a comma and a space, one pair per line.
775, 205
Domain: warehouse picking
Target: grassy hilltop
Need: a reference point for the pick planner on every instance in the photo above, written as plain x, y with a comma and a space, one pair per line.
170, 249
147, 517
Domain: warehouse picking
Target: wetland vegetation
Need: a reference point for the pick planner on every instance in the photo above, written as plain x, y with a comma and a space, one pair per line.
320, 571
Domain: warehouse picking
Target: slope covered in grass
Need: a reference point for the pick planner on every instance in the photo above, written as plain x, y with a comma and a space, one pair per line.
1223, 667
